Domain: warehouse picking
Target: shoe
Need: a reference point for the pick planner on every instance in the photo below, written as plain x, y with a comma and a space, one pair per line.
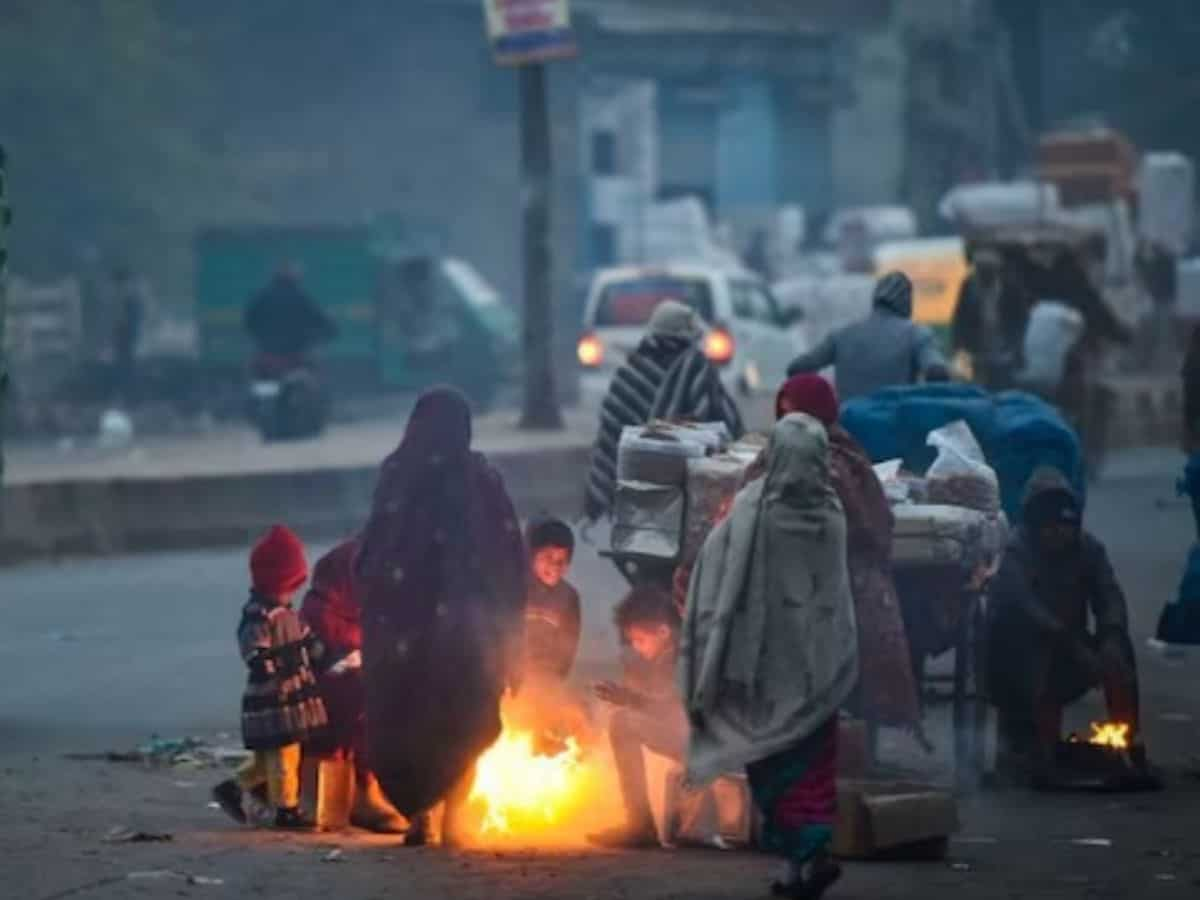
291, 819
823, 874
228, 796
381, 824
374, 812
645, 838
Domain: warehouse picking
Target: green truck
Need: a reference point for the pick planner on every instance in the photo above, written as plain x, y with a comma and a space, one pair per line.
407, 315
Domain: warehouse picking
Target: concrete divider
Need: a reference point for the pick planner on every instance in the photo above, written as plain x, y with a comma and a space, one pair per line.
121, 515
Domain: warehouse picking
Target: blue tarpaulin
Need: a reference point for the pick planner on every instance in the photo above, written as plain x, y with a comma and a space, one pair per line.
1017, 431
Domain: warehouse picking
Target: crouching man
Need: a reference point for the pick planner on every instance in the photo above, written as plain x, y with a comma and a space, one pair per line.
1042, 656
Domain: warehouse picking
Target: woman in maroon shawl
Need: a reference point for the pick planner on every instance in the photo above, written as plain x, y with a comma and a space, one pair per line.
332, 610
442, 575
887, 687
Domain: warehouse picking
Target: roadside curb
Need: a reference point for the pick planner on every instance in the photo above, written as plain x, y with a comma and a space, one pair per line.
43, 520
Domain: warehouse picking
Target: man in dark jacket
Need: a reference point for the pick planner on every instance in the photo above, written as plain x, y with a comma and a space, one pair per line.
990, 320
883, 350
1042, 655
284, 321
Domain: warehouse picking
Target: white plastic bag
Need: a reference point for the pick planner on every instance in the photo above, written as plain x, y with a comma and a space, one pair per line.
960, 475
1053, 331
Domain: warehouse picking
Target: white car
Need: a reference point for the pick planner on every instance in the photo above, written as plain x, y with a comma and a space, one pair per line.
748, 336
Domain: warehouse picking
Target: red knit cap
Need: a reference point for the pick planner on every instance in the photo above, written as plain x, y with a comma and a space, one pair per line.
277, 562
810, 394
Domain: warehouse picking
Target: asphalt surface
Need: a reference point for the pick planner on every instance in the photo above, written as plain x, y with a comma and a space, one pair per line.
99, 654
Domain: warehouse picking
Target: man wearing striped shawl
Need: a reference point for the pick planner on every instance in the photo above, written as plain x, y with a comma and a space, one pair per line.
667, 377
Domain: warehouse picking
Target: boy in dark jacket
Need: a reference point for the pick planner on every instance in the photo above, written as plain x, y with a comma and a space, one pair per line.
281, 707
1042, 654
552, 614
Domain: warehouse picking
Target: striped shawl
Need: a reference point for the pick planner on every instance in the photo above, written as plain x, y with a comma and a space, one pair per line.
665, 378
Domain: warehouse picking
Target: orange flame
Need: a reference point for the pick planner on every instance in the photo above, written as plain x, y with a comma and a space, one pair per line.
521, 791
1110, 734
541, 783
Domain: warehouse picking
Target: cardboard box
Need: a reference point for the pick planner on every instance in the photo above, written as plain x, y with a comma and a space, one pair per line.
880, 818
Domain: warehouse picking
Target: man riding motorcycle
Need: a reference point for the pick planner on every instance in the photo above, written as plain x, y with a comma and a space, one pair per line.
286, 325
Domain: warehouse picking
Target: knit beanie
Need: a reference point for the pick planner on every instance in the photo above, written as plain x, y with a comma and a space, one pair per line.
810, 394
551, 533
277, 562
672, 319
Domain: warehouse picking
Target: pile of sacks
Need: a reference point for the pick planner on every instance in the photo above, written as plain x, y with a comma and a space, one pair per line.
673, 481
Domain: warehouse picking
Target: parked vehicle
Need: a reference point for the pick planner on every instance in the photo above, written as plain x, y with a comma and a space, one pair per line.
749, 336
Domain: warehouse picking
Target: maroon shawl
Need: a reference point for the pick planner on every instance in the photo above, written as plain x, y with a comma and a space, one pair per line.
887, 687
442, 574
332, 610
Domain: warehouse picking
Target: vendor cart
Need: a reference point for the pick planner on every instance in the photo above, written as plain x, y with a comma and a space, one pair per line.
643, 569
943, 560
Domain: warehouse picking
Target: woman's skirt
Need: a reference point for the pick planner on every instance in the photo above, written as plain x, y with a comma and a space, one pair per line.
796, 791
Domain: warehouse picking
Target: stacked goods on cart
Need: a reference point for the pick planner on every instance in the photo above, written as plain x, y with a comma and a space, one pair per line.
712, 483
1092, 166
1017, 432
674, 479
651, 476
951, 516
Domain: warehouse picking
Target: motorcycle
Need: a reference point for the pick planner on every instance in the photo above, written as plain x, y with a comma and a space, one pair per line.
286, 400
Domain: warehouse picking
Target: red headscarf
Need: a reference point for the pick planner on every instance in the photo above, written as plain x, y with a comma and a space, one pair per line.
331, 608
809, 394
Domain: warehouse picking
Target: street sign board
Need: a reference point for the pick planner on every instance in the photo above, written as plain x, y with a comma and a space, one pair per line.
529, 31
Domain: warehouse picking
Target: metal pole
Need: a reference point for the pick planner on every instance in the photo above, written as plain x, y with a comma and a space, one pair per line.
541, 407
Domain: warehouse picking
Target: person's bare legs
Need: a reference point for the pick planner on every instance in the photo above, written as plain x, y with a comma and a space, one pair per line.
631, 731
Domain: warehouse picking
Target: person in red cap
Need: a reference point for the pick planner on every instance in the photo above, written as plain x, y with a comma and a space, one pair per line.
887, 690
281, 707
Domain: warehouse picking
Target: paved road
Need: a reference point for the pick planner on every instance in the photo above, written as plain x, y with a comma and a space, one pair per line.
107, 648
100, 653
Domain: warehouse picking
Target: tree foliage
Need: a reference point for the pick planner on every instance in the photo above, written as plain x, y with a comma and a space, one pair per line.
114, 152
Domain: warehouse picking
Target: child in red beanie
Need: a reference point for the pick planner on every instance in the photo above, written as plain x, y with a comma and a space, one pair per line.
281, 706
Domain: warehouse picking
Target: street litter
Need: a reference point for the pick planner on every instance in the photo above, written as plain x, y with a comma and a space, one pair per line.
179, 753
1176, 717
170, 875
155, 875
119, 834
1092, 842
334, 856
